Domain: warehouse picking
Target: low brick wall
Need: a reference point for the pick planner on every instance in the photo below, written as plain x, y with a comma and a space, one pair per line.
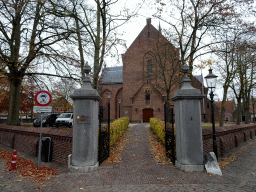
26, 139
228, 137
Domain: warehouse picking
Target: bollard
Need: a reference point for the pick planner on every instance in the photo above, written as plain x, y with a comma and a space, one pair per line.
14, 157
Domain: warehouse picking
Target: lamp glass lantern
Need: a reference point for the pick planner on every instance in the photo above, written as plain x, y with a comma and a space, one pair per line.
109, 95
119, 101
211, 80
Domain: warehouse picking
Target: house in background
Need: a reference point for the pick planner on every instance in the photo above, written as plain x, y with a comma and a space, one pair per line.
230, 113
134, 87
252, 109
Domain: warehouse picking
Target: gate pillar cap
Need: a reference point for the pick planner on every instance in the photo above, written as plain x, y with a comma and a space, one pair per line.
187, 91
86, 92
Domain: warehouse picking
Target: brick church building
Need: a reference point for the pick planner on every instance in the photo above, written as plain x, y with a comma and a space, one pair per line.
139, 87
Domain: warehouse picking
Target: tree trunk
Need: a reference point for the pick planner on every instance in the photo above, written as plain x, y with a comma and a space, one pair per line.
223, 108
253, 113
97, 49
238, 112
246, 111
14, 104
247, 116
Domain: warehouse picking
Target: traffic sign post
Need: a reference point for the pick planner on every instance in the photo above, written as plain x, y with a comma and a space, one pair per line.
42, 98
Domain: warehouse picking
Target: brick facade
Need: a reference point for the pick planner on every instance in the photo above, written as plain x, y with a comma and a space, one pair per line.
136, 82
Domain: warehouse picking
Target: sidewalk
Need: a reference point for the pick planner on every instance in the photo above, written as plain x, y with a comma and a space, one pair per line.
138, 171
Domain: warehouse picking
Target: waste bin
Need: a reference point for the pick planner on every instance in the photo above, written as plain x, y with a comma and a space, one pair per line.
46, 151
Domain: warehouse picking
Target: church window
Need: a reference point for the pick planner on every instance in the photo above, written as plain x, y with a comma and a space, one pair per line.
149, 66
148, 35
147, 96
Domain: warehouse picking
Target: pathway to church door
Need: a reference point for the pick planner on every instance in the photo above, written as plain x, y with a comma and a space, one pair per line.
147, 114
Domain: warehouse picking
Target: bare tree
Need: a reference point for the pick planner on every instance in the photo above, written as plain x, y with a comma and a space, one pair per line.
193, 23
227, 65
164, 75
27, 36
244, 80
98, 23
227, 70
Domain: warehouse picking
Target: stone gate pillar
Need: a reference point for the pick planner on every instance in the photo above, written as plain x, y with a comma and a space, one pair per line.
189, 146
84, 156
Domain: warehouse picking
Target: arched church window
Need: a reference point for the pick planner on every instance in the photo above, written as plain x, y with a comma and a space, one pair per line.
147, 98
149, 35
149, 66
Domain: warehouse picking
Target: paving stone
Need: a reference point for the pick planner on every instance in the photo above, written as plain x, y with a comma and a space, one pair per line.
138, 171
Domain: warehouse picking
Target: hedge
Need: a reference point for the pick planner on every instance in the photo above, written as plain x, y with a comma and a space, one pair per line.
118, 128
158, 127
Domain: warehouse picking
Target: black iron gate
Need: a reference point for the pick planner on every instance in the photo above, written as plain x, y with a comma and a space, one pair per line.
104, 134
169, 133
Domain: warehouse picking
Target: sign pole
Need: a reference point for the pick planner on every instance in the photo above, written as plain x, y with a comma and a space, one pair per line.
42, 98
40, 144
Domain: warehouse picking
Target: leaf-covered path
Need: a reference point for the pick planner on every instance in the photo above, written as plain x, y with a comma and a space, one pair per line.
136, 152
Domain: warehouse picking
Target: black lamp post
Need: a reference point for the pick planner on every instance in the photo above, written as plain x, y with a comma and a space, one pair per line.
119, 101
211, 83
109, 97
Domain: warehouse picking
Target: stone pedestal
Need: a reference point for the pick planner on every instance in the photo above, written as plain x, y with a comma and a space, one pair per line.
84, 156
189, 146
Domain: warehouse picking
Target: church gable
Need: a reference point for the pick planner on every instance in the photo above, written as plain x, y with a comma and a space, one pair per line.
148, 33
147, 93
141, 60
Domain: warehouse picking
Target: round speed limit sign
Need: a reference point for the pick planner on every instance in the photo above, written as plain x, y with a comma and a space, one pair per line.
43, 98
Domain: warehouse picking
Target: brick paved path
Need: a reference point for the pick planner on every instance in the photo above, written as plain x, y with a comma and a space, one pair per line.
138, 171
136, 153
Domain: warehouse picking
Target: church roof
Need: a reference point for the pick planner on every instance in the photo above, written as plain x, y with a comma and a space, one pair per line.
112, 75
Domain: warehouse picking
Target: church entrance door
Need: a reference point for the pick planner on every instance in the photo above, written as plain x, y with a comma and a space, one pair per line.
147, 114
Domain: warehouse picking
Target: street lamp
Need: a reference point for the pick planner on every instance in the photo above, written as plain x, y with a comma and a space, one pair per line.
119, 101
108, 97
211, 80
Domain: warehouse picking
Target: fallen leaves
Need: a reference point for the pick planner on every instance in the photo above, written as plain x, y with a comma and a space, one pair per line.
226, 161
116, 150
159, 150
27, 168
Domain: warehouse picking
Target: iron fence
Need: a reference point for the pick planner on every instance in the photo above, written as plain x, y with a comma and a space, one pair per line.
169, 133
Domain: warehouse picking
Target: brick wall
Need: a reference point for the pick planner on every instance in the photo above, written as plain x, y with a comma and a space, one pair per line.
26, 139
228, 137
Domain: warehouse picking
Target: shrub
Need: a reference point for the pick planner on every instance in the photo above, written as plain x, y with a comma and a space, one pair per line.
158, 127
118, 128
